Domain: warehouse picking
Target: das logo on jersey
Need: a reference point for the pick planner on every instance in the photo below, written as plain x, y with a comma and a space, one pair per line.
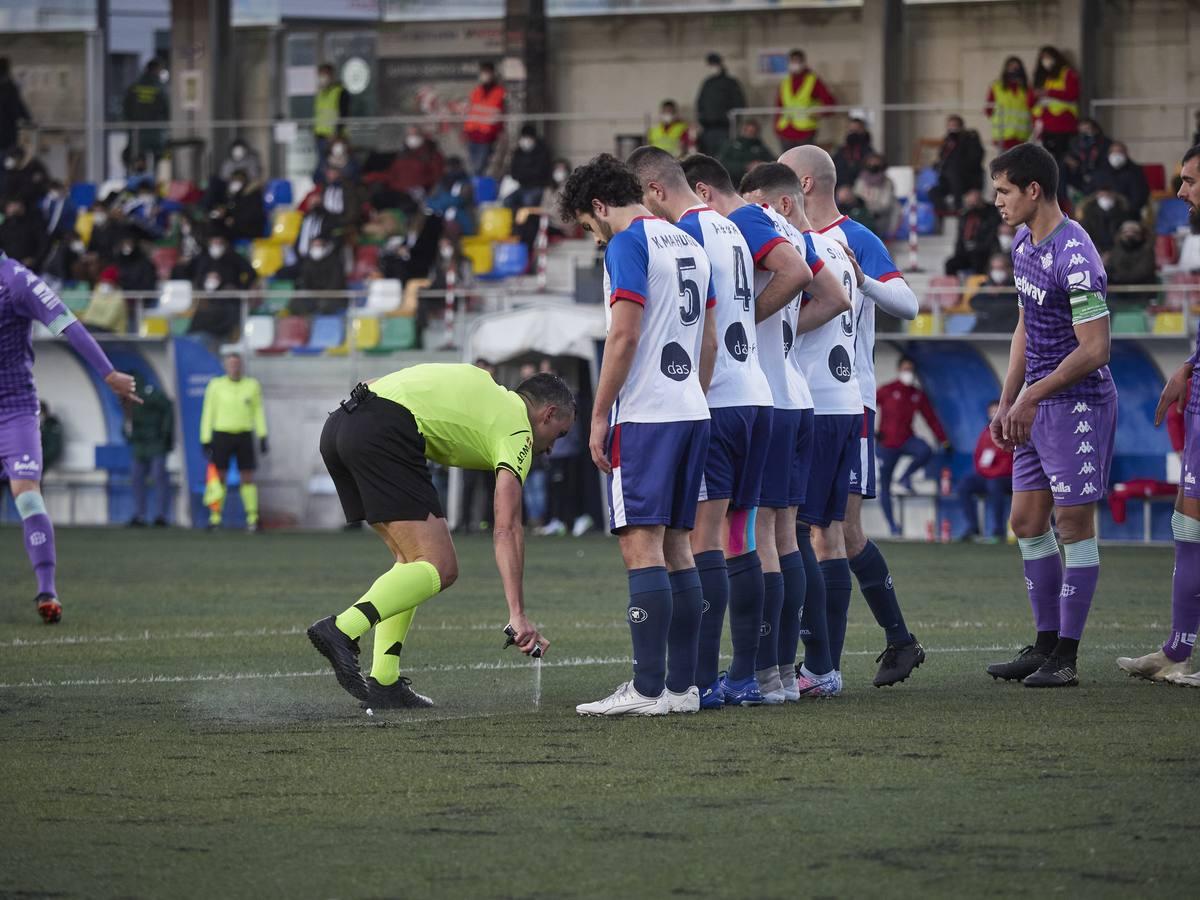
675, 362
839, 364
737, 343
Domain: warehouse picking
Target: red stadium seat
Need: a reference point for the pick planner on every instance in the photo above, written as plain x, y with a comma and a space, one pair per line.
1165, 251
1156, 177
291, 332
366, 260
164, 259
1190, 293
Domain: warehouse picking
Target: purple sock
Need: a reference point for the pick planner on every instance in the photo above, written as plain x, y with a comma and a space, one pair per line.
1043, 581
1079, 586
39, 545
1185, 601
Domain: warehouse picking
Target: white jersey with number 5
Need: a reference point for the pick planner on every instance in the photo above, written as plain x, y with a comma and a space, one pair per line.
658, 266
738, 379
827, 354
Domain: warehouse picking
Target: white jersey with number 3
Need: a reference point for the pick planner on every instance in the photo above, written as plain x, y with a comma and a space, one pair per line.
827, 354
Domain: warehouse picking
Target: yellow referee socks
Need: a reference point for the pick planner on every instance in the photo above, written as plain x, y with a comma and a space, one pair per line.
389, 640
249, 494
403, 587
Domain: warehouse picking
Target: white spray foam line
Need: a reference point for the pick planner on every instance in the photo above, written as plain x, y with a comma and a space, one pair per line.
568, 663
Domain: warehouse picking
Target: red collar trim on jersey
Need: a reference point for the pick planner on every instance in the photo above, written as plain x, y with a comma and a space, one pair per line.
640, 218
696, 209
836, 222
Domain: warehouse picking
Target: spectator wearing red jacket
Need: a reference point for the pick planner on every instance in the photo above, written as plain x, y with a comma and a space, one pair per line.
992, 479
899, 402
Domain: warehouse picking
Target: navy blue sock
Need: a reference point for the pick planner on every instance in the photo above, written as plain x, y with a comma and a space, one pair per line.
794, 588
871, 570
714, 581
745, 612
836, 573
649, 624
814, 621
683, 638
768, 632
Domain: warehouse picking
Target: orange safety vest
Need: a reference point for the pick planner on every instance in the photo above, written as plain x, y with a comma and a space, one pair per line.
483, 120
668, 137
1011, 120
1052, 106
799, 103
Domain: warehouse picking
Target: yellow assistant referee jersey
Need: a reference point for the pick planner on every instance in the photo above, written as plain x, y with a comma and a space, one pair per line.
234, 407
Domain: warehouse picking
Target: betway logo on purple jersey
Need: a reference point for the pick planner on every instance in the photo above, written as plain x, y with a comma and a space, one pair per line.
1031, 290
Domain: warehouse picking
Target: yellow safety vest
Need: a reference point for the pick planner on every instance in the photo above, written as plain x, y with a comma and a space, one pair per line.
1049, 104
669, 137
800, 101
1011, 120
326, 111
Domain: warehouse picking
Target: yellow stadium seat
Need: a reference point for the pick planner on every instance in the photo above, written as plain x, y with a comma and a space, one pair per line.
478, 250
266, 257
1168, 323
922, 324
83, 226
495, 222
286, 226
365, 333
154, 327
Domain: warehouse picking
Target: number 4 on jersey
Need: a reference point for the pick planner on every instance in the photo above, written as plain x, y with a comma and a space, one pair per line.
741, 281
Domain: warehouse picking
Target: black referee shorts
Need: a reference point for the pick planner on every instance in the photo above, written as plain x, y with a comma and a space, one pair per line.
376, 457
227, 445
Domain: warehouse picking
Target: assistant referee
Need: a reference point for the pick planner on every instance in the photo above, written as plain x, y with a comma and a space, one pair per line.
376, 446
230, 420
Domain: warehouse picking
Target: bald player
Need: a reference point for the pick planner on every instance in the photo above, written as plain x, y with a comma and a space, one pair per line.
881, 284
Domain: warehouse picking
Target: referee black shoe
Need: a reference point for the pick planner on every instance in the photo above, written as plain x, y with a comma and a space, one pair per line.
394, 696
1056, 671
342, 653
897, 661
1027, 661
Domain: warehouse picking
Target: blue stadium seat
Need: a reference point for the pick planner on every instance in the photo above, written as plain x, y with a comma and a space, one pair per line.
508, 259
960, 323
83, 194
486, 189
927, 178
1172, 216
327, 332
278, 193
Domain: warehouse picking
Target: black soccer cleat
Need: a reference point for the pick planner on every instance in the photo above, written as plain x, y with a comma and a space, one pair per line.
394, 696
48, 608
1056, 671
1027, 661
897, 662
342, 653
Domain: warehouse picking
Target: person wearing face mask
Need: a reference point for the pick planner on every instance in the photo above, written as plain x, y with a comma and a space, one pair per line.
23, 233
976, 238
483, 126
991, 479
1005, 236
106, 311
556, 227
135, 270
1128, 178
215, 320
322, 268
1056, 102
531, 168
13, 110
1131, 261
1102, 213
850, 157
899, 402
1086, 155
670, 133
331, 109
412, 174
243, 214
1009, 106
241, 157
745, 151
719, 93
146, 101
879, 194
959, 166
108, 224
800, 94
995, 311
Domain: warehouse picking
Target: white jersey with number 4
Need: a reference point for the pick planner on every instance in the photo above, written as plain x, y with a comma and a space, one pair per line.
826, 354
658, 266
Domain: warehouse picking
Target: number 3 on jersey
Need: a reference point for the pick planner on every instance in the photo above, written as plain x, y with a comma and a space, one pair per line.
689, 310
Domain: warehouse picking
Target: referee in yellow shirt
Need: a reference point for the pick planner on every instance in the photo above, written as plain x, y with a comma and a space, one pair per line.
232, 417
375, 447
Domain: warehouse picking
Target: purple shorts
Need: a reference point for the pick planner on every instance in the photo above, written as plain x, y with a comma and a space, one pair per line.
21, 447
1070, 452
1189, 478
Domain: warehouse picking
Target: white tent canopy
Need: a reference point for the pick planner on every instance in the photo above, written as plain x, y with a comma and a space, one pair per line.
553, 329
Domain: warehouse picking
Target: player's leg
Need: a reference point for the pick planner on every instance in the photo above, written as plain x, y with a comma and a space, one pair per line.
919, 454
248, 490
830, 546
386, 689
996, 499
162, 484
888, 459
816, 676
766, 660
138, 469
21, 460
970, 486
223, 450
687, 610
714, 583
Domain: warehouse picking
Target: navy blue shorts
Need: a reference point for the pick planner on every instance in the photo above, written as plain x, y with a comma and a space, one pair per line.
657, 468
737, 453
835, 447
862, 472
789, 459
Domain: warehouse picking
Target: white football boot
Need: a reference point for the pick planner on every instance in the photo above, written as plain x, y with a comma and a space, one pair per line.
626, 701
686, 702
1156, 666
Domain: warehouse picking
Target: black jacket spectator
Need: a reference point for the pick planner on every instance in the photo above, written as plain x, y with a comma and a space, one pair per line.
976, 240
23, 233
1128, 178
740, 154
12, 108
242, 214
413, 255
146, 101
1102, 214
219, 268
135, 271
849, 158
959, 165
323, 269
27, 179
1130, 261
531, 168
719, 93
107, 230
1086, 156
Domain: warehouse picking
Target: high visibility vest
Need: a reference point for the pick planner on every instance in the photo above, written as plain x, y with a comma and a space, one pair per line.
1011, 119
1052, 106
797, 103
326, 111
483, 121
668, 137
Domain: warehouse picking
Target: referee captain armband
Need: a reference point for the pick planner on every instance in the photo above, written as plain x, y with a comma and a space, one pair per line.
1085, 307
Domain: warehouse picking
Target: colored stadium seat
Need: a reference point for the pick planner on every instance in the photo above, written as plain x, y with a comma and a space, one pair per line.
486, 189
176, 299
290, 332
1164, 250
164, 259
396, 333
285, 226
76, 298
1185, 290
327, 333
1129, 321
83, 194
1156, 178
154, 327
83, 226
279, 295
1168, 323
259, 332
278, 193
1172, 216
383, 297
366, 260
922, 324
495, 222
266, 257
362, 336
960, 323
508, 259
479, 252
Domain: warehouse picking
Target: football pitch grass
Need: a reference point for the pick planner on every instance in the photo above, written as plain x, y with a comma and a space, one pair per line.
178, 736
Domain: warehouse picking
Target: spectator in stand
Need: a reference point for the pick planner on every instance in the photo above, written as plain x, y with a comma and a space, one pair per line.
23, 233
1087, 155
565, 488
454, 198
483, 126
1102, 213
1010, 106
216, 320
1128, 178
719, 94
150, 428
108, 224
243, 215
995, 312
412, 255
241, 158
25, 176
341, 157
146, 101
1005, 236
800, 94
412, 175
340, 200
107, 311
331, 109
879, 194
852, 206
850, 158
531, 167
316, 221
991, 479
59, 214
959, 166
1056, 102
321, 269
13, 110
1131, 261
976, 241
745, 151
899, 402
189, 238
670, 133
527, 230
50, 429
135, 271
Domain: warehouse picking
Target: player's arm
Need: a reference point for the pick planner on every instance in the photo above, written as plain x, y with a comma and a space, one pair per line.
708, 350
1090, 355
827, 299
890, 292
508, 538
1175, 391
85, 345
1014, 380
619, 350
791, 275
